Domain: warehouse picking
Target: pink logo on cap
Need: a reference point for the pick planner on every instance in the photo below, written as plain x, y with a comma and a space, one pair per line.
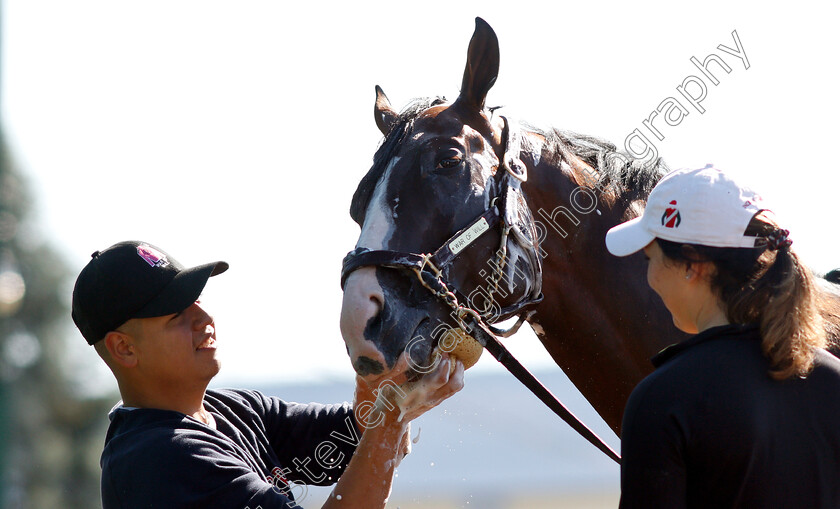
152, 256
755, 201
671, 217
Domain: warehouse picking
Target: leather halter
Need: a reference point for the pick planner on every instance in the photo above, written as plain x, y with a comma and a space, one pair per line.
430, 268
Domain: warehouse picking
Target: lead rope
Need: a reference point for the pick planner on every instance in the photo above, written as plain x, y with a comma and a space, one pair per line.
471, 322
501, 354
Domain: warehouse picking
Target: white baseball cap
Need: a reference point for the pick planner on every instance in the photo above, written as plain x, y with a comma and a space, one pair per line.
704, 206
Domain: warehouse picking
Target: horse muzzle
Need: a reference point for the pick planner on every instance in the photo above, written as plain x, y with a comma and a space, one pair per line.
377, 325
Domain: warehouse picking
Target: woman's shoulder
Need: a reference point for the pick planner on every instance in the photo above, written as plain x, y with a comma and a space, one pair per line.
711, 358
827, 364
728, 342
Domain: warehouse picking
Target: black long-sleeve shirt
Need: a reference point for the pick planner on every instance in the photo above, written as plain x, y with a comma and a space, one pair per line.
165, 459
710, 428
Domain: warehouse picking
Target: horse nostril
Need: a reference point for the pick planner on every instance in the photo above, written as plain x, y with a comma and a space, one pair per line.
366, 366
377, 301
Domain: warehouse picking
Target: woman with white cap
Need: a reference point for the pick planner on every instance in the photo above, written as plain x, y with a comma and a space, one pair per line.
745, 413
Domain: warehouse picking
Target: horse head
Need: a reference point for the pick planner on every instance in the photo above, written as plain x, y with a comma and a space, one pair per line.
445, 229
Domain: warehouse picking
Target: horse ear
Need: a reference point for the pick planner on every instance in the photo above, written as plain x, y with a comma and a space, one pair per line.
482, 65
383, 114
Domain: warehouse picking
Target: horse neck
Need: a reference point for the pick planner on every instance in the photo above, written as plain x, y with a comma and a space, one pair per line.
599, 320
829, 305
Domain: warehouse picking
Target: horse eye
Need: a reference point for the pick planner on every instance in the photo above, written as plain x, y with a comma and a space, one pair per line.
448, 163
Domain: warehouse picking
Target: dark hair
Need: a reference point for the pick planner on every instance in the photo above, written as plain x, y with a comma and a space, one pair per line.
767, 286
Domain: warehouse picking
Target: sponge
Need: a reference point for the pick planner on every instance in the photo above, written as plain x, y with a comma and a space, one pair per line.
460, 346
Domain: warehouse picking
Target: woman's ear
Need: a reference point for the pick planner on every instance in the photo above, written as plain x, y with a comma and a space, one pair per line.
699, 271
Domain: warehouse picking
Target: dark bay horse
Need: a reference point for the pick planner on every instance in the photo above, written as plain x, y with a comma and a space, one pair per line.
446, 174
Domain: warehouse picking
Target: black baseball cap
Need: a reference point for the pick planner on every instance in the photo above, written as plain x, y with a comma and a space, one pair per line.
134, 279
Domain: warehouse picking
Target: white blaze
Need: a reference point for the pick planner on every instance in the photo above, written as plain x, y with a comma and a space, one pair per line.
363, 297
379, 218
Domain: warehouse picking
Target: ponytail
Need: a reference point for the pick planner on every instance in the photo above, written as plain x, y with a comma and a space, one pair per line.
768, 286
791, 326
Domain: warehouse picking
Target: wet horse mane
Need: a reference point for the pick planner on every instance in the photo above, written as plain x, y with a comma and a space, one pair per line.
635, 178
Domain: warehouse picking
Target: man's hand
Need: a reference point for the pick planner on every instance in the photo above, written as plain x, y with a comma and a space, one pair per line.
391, 403
431, 390
385, 412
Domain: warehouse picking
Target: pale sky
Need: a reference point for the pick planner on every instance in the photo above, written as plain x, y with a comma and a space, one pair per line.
238, 131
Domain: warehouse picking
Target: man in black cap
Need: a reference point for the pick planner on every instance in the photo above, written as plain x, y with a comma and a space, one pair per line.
173, 443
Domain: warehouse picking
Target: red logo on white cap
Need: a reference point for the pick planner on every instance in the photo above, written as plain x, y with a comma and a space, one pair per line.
152, 256
671, 217
754, 201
